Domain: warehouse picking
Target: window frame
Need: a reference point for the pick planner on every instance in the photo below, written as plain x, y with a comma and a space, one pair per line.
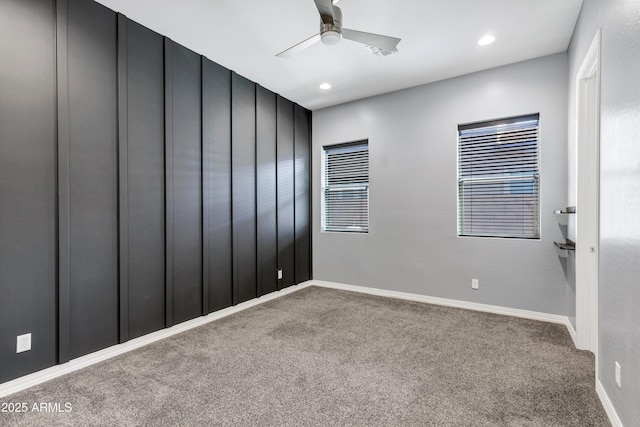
325, 187
535, 179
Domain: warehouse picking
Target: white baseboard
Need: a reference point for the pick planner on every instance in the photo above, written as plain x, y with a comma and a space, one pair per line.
608, 406
572, 333
506, 311
39, 377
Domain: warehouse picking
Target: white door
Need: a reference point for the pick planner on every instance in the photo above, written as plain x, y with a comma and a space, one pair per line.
588, 199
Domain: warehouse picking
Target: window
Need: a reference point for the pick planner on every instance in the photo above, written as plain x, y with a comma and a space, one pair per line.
498, 178
345, 187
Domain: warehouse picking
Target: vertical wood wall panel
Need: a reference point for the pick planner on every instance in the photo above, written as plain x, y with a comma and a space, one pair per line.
267, 227
27, 185
145, 180
302, 195
243, 143
216, 157
285, 178
186, 174
93, 176
64, 233
123, 190
168, 179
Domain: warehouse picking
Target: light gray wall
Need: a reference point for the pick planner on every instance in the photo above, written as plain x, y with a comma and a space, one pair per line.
619, 293
412, 245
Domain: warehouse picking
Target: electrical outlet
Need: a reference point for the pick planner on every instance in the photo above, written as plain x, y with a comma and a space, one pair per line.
618, 380
23, 343
279, 274
475, 284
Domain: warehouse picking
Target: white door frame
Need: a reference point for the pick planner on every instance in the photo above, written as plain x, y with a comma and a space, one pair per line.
587, 206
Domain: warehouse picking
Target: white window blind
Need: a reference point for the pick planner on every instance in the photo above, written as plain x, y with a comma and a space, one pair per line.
499, 178
345, 187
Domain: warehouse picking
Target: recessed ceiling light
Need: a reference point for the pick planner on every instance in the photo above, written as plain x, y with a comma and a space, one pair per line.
488, 39
325, 86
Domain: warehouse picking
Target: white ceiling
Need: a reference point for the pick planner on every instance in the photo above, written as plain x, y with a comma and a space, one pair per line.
438, 40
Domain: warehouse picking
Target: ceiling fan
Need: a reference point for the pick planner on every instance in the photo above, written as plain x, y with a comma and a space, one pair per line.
331, 32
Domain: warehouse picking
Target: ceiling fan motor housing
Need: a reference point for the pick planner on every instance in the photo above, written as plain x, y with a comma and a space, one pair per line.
331, 34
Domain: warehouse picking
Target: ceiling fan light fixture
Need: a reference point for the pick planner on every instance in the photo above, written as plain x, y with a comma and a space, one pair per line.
331, 37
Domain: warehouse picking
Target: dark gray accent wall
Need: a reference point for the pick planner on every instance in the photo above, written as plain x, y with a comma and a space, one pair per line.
64, 252
302, 170
286, 188
142, 185
27, 185
243, 172
216, 116
267, 227
93, 176
186, 175
144, 190
216, 143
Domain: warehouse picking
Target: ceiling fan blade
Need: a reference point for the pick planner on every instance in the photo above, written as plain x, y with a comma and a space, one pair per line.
381, 42
325, 8
288, 53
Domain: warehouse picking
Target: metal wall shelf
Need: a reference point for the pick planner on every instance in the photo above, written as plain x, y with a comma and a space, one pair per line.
566, 246
567, 210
